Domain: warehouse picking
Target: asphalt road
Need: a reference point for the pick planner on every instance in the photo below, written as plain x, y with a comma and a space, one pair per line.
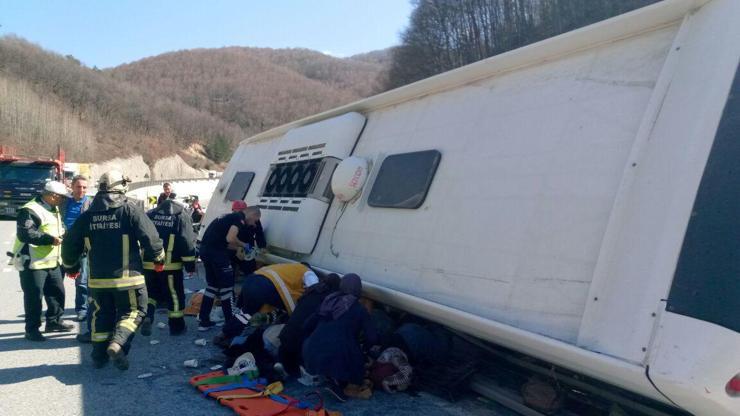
56, 377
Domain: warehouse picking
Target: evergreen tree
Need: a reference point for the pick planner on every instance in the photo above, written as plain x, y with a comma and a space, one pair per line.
219, 150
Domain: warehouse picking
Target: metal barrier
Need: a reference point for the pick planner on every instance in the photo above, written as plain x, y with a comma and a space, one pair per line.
138, 185
149, 191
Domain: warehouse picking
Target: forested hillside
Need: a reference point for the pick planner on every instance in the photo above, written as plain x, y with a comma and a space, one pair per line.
159, 106
44, 91
252, 87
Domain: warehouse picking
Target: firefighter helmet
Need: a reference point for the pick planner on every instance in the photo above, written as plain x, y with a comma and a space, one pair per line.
113, 181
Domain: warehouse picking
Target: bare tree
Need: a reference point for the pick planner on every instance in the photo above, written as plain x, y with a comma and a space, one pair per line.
160, 105
446, 34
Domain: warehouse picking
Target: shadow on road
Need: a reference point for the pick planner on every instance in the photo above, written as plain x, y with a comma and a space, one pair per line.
53, 342
65, 373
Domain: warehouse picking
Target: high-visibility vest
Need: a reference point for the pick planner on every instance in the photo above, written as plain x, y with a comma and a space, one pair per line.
288, 280
49, 256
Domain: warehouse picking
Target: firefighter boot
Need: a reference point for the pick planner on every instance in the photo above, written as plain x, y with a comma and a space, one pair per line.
146, 326
99, 356
148, 321
177, 326
118, 355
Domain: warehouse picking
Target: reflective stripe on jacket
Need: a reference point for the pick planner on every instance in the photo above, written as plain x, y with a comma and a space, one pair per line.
116, 233
288, 280
175, 228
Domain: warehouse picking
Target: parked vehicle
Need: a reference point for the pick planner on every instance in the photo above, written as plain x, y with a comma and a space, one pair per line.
72, 169
23, 177
575, 199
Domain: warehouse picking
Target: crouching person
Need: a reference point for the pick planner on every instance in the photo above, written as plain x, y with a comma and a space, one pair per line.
112, 230
333, 349
274, 287
165, 286
292, 336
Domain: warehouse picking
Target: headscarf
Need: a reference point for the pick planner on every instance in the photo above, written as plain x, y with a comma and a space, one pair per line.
336, 304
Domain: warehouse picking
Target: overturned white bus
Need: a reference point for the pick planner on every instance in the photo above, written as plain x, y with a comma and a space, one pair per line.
575, 199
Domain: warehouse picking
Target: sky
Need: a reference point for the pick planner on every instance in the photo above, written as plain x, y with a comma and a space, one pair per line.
106, 33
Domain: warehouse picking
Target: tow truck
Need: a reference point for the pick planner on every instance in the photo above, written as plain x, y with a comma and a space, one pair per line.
22, 177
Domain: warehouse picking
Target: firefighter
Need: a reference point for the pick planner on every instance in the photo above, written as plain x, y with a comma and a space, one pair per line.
37, 257
112, 230
166, 287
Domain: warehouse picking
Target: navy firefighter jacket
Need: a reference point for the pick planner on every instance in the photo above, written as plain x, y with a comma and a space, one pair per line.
175, 228
113, 231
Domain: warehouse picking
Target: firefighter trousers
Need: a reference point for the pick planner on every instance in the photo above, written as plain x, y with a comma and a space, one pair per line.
166, 288
116, 313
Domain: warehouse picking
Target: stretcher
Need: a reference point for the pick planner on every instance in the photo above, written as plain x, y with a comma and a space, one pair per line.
257, 398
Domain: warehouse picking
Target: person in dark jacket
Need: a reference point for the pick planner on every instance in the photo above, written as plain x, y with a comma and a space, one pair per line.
244, 260
39, 232
196, 210
166, 194
292, 335
166, 287
220, 236
271, 290
113, 231
313, 290
333, 349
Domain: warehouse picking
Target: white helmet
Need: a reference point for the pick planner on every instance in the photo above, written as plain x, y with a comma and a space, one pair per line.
113, 181
54, 187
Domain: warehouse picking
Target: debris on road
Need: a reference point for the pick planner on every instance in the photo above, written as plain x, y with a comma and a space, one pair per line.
144, 375
191, 363
201, 341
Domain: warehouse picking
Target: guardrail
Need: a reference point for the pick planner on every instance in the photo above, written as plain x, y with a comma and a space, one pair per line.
148, 191
138, 185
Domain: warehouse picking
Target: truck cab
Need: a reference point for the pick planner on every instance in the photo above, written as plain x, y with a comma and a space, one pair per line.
23, 178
